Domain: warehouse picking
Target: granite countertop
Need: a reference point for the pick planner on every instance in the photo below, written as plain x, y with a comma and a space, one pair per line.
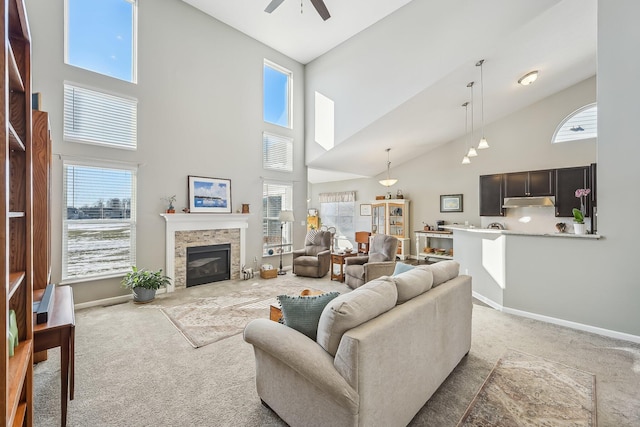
472, 229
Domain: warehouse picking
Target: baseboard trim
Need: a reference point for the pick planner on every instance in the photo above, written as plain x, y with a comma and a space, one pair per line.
561, 322
104, 302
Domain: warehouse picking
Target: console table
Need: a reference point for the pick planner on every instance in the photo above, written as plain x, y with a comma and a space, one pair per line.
59, 331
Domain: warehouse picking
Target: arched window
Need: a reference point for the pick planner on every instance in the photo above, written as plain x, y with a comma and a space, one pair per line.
581, 124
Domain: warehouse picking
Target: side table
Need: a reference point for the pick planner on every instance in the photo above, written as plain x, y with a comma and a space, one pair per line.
338, 259
59, 331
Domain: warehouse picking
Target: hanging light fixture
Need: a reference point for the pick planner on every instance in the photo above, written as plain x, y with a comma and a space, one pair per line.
389, 181
466, 160
472, 151
483, 141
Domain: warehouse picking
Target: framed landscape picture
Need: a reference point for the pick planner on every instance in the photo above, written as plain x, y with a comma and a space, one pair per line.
211, 195
451, 203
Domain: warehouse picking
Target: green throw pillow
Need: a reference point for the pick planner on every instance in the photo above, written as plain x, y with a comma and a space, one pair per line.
303, 313
401, 267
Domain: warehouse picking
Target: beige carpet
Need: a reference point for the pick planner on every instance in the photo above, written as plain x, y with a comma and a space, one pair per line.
207, 320
525, 390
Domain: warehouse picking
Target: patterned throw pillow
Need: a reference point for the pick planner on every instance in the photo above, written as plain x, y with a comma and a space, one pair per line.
303, 313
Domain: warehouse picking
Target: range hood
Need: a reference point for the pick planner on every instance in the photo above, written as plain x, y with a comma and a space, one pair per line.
529, 202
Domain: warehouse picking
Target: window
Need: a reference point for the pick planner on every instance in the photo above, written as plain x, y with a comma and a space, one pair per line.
277, 152
100, 118
338, 210
276, 107
99, 220
581, 124
324, 121
276, 198
100, 36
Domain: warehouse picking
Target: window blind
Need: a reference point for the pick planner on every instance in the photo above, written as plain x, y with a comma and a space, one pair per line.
276, 198
277, 152
99, 118
99, 220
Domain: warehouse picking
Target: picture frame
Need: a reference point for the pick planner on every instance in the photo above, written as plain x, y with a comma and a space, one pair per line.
209, 195
365, 210
451, 203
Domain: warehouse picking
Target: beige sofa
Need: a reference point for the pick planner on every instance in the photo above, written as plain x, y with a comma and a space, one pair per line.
381, 351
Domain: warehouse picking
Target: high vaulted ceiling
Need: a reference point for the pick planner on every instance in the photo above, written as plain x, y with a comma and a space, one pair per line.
430, 47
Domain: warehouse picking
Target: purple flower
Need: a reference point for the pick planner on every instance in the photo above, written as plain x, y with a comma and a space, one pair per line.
582, 192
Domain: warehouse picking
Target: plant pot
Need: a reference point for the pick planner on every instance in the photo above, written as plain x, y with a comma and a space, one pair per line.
142, 295
578, 228
170, 211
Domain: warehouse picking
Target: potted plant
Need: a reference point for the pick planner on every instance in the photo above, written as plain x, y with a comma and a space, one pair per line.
144, 283
578, 214
170, 200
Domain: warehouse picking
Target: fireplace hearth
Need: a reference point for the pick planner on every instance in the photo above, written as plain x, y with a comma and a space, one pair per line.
207, 264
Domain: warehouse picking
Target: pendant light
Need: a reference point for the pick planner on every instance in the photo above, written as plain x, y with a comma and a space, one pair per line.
483, 141
465, 159
472, 151
389, 181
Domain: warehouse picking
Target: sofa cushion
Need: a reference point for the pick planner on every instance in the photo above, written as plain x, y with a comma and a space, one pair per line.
401, 267
354, 308
443, 271
302, 313
412, 283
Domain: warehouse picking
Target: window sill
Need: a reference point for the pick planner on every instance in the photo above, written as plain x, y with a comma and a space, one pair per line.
74, 280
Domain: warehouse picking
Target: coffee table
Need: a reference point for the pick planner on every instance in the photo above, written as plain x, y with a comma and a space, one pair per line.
275, 312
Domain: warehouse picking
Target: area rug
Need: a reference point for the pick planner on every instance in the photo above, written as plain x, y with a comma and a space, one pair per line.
525, 390
207, 320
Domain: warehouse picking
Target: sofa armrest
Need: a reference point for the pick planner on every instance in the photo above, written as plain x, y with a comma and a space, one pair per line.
356, 260
302, 355
373, 270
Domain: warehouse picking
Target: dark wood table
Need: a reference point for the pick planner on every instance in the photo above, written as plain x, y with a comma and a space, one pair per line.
59, 331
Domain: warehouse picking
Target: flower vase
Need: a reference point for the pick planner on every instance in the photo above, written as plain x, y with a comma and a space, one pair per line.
578, 228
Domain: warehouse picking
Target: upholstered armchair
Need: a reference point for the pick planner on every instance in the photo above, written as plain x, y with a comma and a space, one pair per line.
314, 260
381, 261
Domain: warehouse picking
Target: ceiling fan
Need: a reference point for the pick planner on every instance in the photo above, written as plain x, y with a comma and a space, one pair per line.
318, 4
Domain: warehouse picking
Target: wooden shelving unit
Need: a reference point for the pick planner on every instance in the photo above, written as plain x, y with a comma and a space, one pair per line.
16, 237
391, 217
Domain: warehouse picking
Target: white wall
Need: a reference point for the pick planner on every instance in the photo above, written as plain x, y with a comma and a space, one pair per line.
200, 113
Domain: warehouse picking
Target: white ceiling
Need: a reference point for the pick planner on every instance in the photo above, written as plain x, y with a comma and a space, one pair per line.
301, 36
557, 37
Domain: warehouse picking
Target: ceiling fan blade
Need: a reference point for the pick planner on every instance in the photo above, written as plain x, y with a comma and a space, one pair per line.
321, 8
273, 5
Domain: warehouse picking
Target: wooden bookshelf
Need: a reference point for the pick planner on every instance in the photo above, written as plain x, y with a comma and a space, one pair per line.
16, 237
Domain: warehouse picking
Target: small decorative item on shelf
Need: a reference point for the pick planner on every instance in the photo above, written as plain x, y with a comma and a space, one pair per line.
379, 197
388, 196
170, 201
245, 208
399, 194
561, 227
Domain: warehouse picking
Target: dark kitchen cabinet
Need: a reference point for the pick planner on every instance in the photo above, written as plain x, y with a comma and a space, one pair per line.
491, 195
568, 180
532, 183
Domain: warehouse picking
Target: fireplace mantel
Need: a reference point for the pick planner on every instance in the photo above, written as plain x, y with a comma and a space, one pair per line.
200, 221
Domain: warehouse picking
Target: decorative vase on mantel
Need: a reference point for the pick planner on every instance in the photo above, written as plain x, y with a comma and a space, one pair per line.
578, 228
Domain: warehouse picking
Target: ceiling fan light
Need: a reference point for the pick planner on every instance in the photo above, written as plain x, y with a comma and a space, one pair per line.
472, 152
528, 78
483, 144
466, 160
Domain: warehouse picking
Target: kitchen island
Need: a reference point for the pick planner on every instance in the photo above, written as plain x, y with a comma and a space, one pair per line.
535, 275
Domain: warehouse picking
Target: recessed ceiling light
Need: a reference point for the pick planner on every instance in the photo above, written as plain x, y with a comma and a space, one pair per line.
528, 78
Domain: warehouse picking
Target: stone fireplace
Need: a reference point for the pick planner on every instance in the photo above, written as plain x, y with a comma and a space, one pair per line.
185, 231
